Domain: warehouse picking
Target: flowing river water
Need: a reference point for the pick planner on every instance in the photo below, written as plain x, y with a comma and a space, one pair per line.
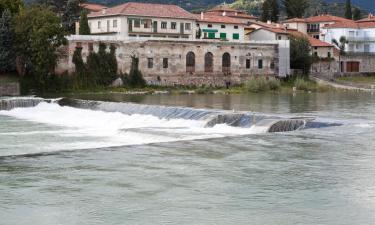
188, 159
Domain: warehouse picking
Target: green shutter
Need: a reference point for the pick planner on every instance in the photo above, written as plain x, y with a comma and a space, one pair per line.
236, 36
223, 35
211, 35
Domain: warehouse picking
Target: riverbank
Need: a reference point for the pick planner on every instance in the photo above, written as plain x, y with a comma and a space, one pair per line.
254, 86
9, 85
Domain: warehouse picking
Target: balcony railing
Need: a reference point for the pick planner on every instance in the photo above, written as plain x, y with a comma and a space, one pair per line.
361, 39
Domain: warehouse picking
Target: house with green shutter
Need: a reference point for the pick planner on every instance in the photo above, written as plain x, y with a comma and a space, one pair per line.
219, 27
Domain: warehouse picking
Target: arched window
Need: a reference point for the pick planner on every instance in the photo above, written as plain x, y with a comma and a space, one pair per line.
209, 62
226, 62
190, 62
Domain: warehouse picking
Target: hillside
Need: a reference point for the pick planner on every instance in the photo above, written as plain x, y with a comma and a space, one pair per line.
364, 4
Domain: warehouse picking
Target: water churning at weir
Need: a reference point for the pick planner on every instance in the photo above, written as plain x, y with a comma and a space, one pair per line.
257, 122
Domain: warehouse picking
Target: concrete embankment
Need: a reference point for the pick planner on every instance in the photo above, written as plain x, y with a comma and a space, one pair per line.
337, 85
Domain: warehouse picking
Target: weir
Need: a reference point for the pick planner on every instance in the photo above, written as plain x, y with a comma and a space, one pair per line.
23, 102
258, 122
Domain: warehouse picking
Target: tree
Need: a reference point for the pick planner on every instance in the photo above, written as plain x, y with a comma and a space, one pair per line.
7, 54
348, 10
14, 6
357, 14
270, 11
295, 8
71, 15
135, 76
84, 28
300, 57
341, 44
38, 35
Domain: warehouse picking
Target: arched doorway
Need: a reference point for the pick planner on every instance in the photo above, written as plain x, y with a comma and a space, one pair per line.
209, 62
226, 63
190, 62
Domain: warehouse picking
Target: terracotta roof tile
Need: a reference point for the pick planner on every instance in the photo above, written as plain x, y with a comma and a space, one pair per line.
326, 18
295, 20
93, 7
217, 19
313, 41
370, 18
353, 24
147, 10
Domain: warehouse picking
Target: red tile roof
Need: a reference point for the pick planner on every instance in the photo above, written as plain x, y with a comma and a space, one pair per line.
353, 24
236, 14
370, 18
146, 10
217, 19
295, 20
313, 41
93, 7
325, 18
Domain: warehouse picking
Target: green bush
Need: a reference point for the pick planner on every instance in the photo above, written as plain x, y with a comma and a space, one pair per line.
262, 84
304, 85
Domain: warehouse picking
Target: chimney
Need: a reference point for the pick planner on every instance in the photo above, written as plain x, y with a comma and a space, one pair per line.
269, 22
236, 13
278, 25
202, 15
104, 11
224, 13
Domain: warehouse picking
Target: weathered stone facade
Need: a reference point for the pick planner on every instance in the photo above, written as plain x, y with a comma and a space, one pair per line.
10, 89
170, 62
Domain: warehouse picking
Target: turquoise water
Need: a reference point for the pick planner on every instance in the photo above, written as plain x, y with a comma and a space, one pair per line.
61, 165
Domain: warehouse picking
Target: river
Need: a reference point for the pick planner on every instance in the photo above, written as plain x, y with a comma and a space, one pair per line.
88, 165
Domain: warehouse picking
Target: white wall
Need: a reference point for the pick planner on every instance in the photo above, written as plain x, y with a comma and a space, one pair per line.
229, 30
93, 23
266, 35
359, 39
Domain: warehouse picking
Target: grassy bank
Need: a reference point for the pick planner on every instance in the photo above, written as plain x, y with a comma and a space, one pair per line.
360, 80
256, 85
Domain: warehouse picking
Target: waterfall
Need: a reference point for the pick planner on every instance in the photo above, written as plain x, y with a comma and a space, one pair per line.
211, 118
23, 102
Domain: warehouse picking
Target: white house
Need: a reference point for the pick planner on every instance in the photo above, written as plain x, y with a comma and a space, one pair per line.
360, 35
219, 27
143, 20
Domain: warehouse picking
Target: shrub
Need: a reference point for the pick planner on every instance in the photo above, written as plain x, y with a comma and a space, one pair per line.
303, 85
262, 84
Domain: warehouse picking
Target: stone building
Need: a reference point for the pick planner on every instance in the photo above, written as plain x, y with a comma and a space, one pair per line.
191, 62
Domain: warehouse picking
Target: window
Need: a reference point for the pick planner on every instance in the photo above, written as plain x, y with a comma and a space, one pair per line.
99, 24
316, 54
211, 35
223, 36
114, 23
137, 23
316, 37
222, 26
236, 36
108, 25
165, 63
150, 63
235, 27
78, 45
209, 62
163, 25
260, 64
226, 63
209, 25
329, 55
187, 26
279, 37
173, 25
190, 62
91, 47
248, 64
147, 23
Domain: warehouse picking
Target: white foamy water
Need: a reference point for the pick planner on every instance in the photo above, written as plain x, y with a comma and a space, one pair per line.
86, 129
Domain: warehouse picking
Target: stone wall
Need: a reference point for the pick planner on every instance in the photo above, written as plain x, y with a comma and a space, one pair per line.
10, 89
242, 55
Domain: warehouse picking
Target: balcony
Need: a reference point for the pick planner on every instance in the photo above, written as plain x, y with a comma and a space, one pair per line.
360, 39
313, 30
